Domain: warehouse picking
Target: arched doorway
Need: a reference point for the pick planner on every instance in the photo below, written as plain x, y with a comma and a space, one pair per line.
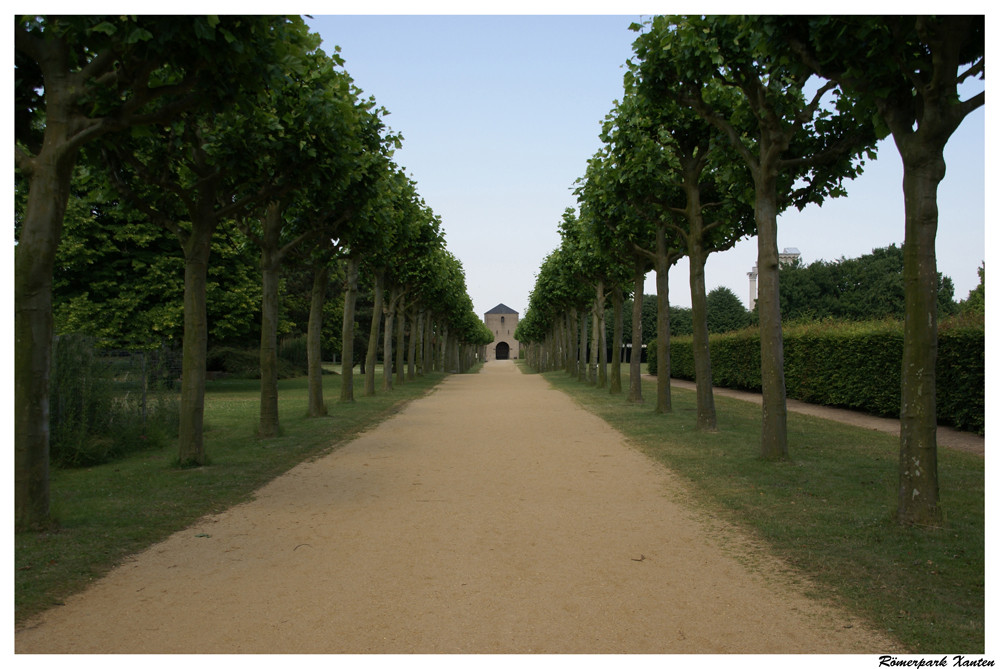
503, 351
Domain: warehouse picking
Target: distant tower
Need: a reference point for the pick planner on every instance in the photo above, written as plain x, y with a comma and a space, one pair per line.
787, 256
502, 322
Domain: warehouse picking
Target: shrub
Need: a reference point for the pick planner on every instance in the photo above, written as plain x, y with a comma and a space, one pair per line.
295, 351
245, 363
856, 365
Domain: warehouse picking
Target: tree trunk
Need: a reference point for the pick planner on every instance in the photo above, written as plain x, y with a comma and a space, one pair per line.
270, 276
635, 359
663, 399
774, 429
443, 346
400, 341
583, 365
427, 359
918, 497
594, 346
617, 300
34, 260
347, 332
372, 354
602, 338
390, 315
415, 322
574, 328
191, 444
314, 339
702, 359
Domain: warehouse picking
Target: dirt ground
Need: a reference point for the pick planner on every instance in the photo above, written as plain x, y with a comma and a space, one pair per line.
492, 516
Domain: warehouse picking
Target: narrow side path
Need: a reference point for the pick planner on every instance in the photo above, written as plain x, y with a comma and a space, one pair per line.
946, 436
492, 516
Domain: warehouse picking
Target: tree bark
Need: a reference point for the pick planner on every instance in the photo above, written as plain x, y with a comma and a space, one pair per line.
270, 267
191, 443
373, 331
617, 300
427, 359
400, 341
411, 365
574, 329
389, 310
774, 429
443, 352
918, 496
347, 332
583, 365
314, 339
702, 359
663, 399
602, 338
635, 359
34, 260
595, 339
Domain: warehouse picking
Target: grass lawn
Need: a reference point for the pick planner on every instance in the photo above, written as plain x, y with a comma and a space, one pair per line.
105, 513
827, 510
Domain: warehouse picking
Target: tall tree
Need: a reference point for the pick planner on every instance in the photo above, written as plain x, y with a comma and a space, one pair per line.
625, 234
704, 184
799, 145
315, 148
643, 187
79, 78
910, 68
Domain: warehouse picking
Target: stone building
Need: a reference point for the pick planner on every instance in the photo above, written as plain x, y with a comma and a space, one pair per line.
788, 255
502, 322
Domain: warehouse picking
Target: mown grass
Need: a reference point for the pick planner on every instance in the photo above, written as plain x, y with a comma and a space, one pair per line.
827, 510
105, 513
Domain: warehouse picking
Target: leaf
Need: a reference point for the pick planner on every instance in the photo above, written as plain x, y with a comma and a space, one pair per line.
104, 27
139, 35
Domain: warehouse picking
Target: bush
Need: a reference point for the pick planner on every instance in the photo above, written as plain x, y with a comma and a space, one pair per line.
295, 351
245, 363
853, 365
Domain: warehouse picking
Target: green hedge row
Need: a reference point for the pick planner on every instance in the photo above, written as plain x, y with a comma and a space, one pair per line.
851, 365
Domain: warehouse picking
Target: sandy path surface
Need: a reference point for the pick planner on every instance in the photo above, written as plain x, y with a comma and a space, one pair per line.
491, 516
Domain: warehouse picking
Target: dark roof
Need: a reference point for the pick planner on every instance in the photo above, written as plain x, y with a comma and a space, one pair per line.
501, 309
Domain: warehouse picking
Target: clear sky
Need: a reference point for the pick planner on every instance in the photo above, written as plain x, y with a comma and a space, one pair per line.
499, 115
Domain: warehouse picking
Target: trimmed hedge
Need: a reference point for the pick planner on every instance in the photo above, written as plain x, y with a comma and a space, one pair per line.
855, 365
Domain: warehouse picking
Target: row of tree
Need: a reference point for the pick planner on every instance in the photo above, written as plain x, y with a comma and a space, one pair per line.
205, 127
725, 122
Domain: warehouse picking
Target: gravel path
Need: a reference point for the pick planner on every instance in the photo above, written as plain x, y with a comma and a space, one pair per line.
492, 516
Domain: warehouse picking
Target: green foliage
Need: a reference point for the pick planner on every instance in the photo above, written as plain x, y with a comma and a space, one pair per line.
864, 288
975, 303
104, 407
961, 372
725, 311
680, 325
244, 363
294, 351
856, 365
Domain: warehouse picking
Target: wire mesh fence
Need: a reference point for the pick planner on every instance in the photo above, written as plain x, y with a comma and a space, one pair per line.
104, 403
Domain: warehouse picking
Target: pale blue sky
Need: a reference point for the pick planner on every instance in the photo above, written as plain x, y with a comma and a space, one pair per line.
501, 113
